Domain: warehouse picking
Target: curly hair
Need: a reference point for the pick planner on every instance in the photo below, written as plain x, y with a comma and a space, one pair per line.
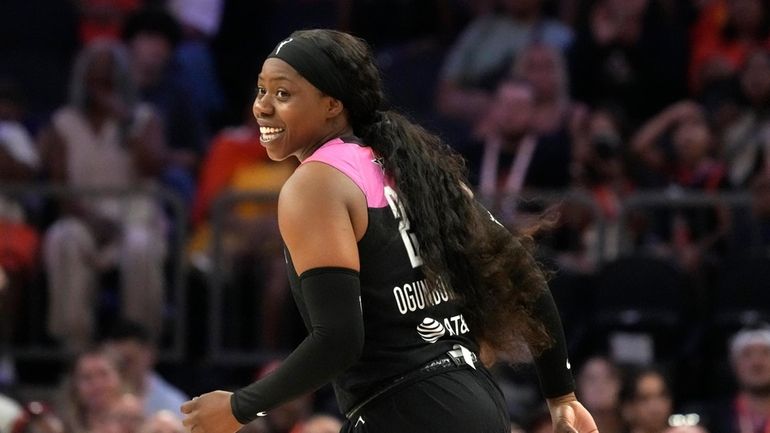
491, 270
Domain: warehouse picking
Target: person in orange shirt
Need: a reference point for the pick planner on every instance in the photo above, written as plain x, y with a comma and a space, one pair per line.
722, 37
103, 18
237, 163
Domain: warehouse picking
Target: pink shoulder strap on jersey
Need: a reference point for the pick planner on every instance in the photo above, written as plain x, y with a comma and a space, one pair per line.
359, 164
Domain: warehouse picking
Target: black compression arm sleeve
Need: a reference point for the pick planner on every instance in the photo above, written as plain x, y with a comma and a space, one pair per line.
552, 364
335, 342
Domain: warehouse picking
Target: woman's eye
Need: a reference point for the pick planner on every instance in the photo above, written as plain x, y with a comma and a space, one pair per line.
282, 94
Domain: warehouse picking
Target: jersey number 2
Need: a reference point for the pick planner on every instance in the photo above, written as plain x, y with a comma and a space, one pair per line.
410, 240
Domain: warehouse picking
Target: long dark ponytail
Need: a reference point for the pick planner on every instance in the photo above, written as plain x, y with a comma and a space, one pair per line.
491, 270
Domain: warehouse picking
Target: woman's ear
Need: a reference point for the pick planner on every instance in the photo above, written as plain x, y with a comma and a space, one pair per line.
334, 107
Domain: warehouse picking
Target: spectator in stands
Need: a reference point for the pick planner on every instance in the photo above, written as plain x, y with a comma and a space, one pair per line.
545, 66
579, 147
136, 352
90, 389
598, 385
104, 138
483, 52
237, 162
722, 37
152, 35
599, 169
550, 118
514, 157
746, 148
677, 147
626, 56
645, 399
749, 409
19, 243
509, 141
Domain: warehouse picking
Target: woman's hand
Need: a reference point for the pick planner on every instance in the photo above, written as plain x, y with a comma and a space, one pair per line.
569, 416
210, 413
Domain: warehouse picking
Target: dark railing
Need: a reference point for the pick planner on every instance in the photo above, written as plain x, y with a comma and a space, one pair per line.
675, 200
216, 278
173, 350
498, 205
217, 351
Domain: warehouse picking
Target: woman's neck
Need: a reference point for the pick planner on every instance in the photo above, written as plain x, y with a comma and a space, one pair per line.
96, 118
346, 130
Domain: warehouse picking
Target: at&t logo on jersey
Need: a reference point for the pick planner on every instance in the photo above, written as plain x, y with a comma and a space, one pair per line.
431, 329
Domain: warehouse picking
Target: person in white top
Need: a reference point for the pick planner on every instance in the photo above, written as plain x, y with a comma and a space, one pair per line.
104, 138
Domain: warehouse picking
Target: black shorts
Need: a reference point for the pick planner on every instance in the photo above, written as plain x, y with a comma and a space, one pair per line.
457, 401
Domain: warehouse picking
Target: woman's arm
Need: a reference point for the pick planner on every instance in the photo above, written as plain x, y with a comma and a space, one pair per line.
317, 209
643, 143
552, 364
148, 145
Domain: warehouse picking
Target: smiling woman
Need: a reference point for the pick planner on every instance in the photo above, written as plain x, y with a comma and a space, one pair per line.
378, 222
294, 116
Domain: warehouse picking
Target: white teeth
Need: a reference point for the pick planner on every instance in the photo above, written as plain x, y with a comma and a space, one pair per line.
267, 133
265, 138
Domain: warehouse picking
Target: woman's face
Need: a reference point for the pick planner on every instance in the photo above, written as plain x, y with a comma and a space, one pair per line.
651, 405
599, 385
541, 68
100, 83
97, 382
294, 116
692, 141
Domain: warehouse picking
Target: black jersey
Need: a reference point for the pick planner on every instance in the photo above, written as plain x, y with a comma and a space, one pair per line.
406, 324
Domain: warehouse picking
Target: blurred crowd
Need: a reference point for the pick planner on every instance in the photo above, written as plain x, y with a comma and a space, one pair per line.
631, 138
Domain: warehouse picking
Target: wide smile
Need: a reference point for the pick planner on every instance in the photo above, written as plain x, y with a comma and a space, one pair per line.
268, 133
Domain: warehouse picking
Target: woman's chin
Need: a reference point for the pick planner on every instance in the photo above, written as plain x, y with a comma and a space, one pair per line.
275, 154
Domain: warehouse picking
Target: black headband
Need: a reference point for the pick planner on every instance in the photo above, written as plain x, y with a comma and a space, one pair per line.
313, 64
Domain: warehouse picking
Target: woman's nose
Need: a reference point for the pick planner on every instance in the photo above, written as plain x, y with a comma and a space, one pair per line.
261, 107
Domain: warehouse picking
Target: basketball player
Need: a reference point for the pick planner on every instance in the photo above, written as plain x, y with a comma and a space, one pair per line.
399, 274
